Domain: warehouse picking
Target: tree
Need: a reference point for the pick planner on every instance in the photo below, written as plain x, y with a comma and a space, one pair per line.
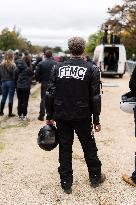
36, 49
8, 39
45, 48
13, 40
57, 49
93, 41
123, 17
122, 20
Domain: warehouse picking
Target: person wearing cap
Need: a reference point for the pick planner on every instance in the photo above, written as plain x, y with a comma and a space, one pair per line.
42, 74
73, 100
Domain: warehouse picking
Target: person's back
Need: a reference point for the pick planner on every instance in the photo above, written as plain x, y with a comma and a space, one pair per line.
6, 71
38, 59
23, 74
28, 59
44, 69
23, 77
7, 68
132, 82
72, 99
73, 89
42, 74
132, 85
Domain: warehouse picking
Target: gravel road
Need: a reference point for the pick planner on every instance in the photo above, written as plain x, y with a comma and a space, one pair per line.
28, 175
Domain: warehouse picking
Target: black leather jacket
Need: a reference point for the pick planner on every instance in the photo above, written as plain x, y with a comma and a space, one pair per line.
73, 92
132, 82
43, 70
23, 75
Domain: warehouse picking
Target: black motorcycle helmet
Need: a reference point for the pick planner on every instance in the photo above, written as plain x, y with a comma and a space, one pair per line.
47, 138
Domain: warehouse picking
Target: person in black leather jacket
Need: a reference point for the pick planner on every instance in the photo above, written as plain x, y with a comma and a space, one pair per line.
132, 85
42, 74
72, 100
132, 82
23, 77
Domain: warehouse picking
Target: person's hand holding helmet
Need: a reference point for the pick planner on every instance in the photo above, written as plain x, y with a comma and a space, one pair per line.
97, 127
49, 122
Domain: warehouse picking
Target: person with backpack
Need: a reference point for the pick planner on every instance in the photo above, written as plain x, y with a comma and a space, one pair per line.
73, 100
23, 77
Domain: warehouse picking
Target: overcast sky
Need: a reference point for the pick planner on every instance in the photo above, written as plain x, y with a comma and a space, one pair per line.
52, 22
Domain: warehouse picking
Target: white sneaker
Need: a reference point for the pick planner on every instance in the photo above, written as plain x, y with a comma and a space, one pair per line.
20, 118
25, 118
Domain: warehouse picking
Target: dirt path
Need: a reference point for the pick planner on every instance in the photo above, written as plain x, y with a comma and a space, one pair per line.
29, 175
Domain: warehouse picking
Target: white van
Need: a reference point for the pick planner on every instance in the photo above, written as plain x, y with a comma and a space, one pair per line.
111, 59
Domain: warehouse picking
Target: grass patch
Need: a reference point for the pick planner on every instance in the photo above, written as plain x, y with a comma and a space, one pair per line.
21, 124
10, 126
2, 146
36, 94
3, 129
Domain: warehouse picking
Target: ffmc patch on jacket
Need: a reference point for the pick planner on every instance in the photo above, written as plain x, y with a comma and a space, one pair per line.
68, 71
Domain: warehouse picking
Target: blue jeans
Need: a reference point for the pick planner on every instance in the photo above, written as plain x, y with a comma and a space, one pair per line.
8, 89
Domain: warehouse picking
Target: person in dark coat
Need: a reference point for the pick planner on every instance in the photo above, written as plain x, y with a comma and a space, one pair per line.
132, 85
23, 77
73, 100
28, 59
42, 74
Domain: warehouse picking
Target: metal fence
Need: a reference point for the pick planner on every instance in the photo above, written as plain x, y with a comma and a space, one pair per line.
130, 66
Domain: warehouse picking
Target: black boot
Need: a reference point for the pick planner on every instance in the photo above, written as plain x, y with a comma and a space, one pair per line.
2, 108
10, 110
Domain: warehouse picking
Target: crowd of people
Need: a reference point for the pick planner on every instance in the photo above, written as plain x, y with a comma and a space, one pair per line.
70, 92
16, 73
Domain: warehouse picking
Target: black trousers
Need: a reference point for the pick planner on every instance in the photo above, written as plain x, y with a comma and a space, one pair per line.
23, 97
66, 137
42, 103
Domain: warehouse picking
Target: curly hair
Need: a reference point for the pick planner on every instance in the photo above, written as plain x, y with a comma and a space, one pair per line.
76, 45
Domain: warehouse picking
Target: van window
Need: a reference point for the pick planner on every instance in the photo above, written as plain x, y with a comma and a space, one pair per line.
111, 58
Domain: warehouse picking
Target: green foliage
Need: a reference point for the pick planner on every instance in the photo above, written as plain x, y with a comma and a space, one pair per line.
57, 49
93, 41
129, 43
2, 146
13, 40
122, 20
8, 39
